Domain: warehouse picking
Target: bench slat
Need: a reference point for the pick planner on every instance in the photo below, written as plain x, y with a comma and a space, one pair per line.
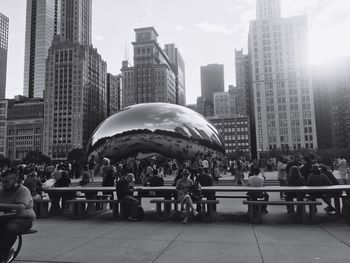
282, 203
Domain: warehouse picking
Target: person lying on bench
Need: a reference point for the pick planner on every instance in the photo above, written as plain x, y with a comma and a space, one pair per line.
14, 197
257, 180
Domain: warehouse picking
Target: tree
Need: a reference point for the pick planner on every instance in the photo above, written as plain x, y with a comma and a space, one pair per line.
36, 157
77, 155
4, 161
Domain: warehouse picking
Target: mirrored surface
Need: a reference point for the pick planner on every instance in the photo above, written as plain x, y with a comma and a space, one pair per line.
171, 130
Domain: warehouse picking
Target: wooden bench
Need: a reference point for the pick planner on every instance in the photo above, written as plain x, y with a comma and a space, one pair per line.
206, 208
255, 208
79, 209
231, 196
41, 207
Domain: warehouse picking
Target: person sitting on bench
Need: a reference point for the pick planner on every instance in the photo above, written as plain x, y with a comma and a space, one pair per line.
125, 195
184, 187
256, 180
14, 197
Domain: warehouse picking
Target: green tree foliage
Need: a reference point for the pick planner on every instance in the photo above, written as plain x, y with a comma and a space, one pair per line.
36, 157
78, 155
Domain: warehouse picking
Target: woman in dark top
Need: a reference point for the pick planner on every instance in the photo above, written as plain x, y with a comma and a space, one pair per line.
294, 178
64, 181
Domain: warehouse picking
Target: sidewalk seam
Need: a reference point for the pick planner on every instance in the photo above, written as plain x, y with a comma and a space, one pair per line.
172, 242
257, 242
337, 238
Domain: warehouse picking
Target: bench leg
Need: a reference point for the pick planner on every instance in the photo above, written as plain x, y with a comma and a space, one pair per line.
115, 209
211, 211
167, 209
78, 210
337, 205
312, 213
158, 210
251, 213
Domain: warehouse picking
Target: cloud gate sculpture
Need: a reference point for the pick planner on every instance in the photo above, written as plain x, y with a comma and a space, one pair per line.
167, 129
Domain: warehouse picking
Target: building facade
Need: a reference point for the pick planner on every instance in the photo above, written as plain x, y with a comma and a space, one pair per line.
4, 33
242, 83
76, 84
178, 66
25, 125
236, 133
281, 80
152, 78
212, 80
3, 125
331, 85
75, 97
113, 94
42, 23
222, 104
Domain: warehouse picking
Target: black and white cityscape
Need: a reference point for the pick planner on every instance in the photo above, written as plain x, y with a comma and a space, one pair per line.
167, 99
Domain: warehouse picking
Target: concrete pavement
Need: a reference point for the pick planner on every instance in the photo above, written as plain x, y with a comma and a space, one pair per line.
232, 239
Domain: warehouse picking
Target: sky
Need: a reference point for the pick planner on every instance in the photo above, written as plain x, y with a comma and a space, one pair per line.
205, 31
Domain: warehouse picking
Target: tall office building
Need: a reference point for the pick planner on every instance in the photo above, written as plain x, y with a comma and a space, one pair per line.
152, 78
76, 85
4, 33
178, 65
281, 81
331, 85
42, 23
242, 82
113, 94
77, 21
212, 80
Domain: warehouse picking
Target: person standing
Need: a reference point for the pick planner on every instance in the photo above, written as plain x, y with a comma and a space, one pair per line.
92, 165
343, 169
282, 174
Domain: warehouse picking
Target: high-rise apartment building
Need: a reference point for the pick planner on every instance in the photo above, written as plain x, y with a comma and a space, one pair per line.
113, 94
76, 84
178, 65
212, 80
4, 33
42, 23
152, 78
331, 85
281, 81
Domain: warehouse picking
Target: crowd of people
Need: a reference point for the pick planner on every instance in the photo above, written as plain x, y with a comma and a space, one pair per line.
26, 182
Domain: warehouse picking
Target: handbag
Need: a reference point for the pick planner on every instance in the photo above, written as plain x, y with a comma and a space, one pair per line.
196, 193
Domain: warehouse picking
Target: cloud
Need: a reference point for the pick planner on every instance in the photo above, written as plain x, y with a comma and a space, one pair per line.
214, 28
99, 38
179, 27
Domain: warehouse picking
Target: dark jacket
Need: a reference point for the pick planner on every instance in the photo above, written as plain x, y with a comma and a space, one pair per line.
332, 178
318, 179
295, 180
305, 170
155, 180
108, 176
205, 180
123, 189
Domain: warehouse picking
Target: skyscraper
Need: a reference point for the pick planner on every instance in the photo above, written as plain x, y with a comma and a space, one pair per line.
152, 78
76, 84
331, 83
77, 21
212, 80
42, 23
281, 81
113, 94
178, 65
242, 83
4, 33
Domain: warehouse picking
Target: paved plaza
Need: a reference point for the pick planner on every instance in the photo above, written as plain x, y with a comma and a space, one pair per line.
231, 239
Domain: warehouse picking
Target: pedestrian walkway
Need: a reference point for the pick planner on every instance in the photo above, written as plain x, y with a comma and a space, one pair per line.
232, 239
